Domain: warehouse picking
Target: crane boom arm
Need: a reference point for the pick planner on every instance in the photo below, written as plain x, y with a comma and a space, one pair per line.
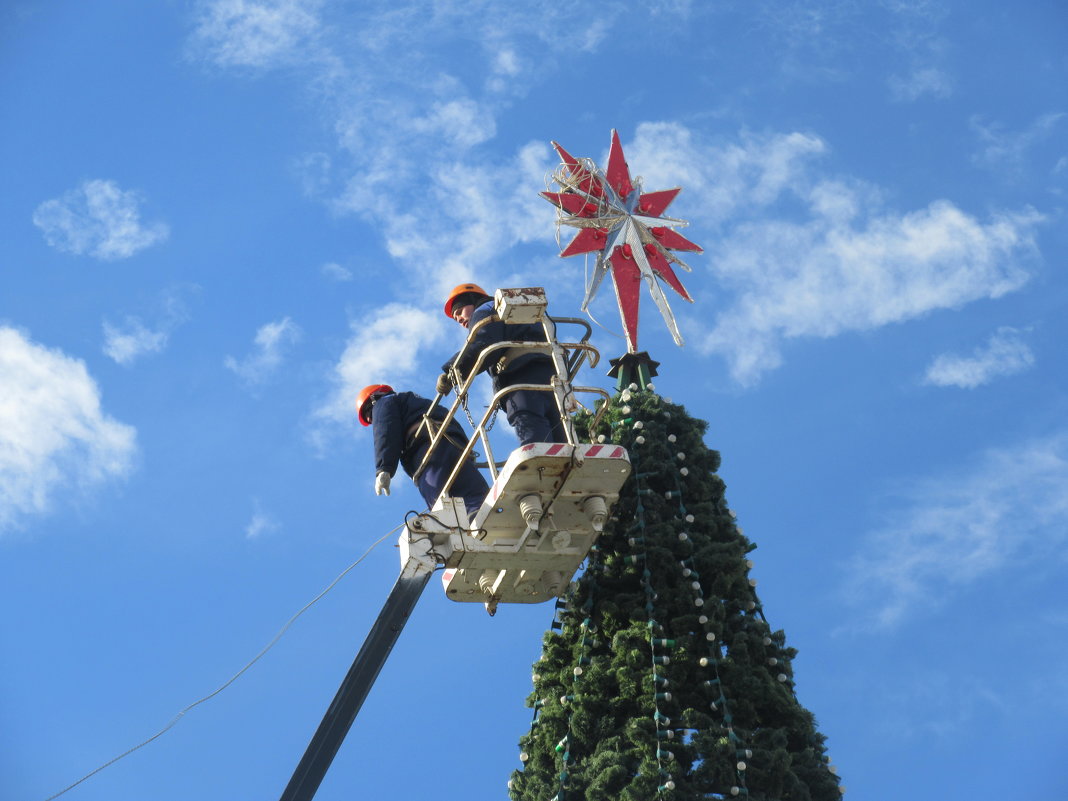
358, 681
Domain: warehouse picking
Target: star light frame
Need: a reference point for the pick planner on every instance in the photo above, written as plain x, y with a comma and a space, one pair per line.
627, 229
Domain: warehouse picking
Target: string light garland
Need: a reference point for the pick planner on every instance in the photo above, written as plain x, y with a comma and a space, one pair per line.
669, 580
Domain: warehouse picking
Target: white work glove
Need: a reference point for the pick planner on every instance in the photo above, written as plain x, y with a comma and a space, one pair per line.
444, 384
382, 483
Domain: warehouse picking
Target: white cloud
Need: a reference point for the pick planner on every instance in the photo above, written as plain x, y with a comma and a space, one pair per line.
723, 178
450, 219
815, 40
672, 8
405, 124
920, 82
506, 62
54, 436
1008, 150
133, 339
126, 344
247, 33
261, 522
507, 69
99, 219
312, 171
463, 122
415, 166
271, 342
466, 215
834, 274
810, 256
335, 272
1009, 513
594, 33
383, 349
1005, 353
954, 702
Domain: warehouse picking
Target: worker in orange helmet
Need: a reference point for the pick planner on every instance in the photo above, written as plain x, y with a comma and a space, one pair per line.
399, 438
532, 413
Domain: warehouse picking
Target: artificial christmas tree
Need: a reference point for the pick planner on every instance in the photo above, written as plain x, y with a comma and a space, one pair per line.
661, 677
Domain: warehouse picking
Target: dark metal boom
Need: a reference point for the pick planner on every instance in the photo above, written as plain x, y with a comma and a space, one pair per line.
357, 684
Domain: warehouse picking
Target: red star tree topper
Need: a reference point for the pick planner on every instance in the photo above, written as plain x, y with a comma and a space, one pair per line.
626, 228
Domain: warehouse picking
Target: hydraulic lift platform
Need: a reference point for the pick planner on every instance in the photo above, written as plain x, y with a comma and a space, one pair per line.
542, 515
546, 508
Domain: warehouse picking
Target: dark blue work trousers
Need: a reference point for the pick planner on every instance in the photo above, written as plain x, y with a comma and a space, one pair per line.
469, 484
532, 413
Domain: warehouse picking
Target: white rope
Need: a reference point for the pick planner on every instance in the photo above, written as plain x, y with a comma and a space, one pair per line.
237, 675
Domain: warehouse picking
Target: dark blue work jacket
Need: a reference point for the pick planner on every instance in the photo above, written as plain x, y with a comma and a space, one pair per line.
491, 334
396, 418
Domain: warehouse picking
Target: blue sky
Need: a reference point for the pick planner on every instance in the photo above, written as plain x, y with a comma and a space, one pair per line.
220, 219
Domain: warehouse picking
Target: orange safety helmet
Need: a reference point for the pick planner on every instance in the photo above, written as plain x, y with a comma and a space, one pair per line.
463, 289
364, 398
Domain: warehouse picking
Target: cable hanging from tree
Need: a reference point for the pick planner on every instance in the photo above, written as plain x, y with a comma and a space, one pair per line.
274, 640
